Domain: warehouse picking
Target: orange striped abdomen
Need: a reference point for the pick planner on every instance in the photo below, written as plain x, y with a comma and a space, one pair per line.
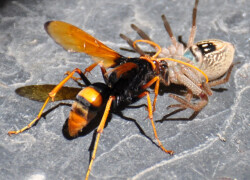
89, 102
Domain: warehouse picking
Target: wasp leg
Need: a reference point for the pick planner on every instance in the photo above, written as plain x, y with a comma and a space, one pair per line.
74, 78
90, 68
99, 131
51, 96
155, 80
87, 70
150, 114
105, 75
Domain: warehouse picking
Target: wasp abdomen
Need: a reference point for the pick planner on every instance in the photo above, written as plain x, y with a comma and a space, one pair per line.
89, 102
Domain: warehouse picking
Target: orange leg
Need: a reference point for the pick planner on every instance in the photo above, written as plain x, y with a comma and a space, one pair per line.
99, 131
90, 68
73, 77
155, 80
150, 114
87, 70
52, 95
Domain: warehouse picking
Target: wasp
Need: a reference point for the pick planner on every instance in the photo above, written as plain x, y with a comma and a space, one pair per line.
126, 80
213, 57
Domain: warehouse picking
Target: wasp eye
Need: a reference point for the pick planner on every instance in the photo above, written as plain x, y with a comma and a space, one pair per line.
206, 47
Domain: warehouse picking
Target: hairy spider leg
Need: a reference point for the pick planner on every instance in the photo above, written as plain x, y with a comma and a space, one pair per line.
130, 42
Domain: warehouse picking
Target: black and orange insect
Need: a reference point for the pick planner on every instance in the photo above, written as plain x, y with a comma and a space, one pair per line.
126, 81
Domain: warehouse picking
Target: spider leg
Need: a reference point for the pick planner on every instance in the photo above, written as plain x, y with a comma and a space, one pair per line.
191, 74
192, 88
143, 35
193, 30
185, 104
169, 30
140, 32
222, 80
130, 43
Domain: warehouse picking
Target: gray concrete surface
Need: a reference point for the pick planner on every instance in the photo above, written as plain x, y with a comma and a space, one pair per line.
28, 56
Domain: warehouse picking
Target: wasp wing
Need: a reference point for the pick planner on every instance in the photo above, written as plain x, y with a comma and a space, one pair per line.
74, 39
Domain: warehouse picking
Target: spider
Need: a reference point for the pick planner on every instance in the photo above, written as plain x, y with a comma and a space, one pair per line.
214, 57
